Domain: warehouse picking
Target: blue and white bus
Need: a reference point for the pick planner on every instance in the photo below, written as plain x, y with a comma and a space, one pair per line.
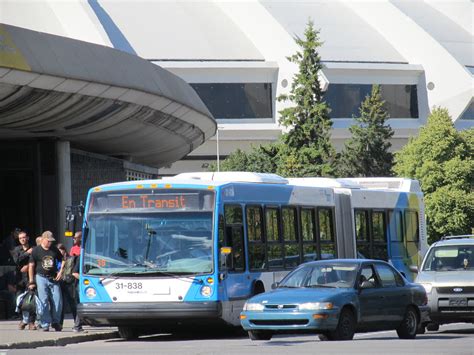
189, 250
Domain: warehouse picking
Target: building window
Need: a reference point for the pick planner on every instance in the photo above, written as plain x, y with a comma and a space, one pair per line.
237, 100
468, 114
401, 101
132, 175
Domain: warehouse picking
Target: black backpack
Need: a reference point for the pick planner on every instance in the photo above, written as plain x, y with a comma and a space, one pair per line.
67, 276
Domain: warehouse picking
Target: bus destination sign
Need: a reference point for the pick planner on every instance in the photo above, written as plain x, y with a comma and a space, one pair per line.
128, 201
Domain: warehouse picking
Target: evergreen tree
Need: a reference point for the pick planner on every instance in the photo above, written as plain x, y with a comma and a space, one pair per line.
306, 148
367, 152
441, 158
260, 159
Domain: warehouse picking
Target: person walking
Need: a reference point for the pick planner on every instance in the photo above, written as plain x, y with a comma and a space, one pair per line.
68, 286
76, 248
21, 256
43, 265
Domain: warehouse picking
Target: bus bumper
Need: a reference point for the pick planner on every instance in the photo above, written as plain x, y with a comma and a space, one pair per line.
130, 314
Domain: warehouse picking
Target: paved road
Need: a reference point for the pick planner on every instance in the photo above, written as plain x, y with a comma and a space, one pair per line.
451, 339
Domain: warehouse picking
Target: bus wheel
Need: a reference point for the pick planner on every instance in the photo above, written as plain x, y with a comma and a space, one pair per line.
128, 333
260, 334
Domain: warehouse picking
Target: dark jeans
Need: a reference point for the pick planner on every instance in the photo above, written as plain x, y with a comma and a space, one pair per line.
70, 297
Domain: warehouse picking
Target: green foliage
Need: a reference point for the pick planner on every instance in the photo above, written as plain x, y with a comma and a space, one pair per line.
441, 158
260, 159
307, 149
367, 152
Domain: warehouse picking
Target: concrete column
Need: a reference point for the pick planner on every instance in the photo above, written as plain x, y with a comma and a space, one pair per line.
63, 152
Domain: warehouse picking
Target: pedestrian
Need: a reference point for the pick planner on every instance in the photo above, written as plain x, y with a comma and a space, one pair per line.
76, 248
43, 268
38, 240
21, 256
75, 272
68, 286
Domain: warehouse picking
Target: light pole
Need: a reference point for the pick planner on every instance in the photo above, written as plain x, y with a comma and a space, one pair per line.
217, 140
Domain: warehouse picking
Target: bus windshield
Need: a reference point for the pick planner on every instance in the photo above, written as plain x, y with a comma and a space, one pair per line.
148, 243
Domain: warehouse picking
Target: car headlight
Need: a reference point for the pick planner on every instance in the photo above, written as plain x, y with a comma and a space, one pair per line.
428, 287
253, 307
311, 306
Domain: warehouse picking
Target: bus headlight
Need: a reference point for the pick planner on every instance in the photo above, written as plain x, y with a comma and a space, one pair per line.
91, 292
206, 291
311, 306
253, 307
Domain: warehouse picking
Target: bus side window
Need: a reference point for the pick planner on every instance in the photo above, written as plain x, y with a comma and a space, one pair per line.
326, 233
234, 236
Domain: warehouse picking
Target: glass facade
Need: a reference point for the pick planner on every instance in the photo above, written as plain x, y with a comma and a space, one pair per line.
468, 114
401, 101
237, 100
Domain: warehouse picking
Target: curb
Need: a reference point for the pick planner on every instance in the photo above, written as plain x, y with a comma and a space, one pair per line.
60, 341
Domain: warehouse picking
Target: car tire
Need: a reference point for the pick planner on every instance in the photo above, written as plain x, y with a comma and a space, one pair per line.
409, 326
260, 334
432, 327
128, 333
345, 327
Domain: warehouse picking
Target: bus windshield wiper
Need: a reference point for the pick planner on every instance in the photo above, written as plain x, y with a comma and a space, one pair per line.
150, 269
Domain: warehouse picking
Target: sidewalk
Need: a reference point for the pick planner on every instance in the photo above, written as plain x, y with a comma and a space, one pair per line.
13, 338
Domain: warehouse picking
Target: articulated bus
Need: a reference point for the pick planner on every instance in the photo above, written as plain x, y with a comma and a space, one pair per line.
191, 249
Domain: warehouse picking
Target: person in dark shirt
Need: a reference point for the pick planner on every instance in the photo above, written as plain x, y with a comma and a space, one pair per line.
43, 265
21, 256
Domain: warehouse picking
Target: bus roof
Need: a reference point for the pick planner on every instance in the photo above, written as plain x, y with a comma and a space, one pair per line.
234, 176
379, 183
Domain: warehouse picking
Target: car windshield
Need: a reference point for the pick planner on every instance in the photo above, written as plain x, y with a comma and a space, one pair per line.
450, 258
321, 275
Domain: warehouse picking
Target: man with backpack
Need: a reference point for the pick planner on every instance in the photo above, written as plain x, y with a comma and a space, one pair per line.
21, 255
68, 287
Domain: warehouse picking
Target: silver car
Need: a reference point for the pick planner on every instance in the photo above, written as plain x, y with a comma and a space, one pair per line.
447, 274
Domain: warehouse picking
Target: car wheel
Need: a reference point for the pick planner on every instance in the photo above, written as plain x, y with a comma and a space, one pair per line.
409, 325
432, 327
260, 334
128, 333
323, 336
345, 327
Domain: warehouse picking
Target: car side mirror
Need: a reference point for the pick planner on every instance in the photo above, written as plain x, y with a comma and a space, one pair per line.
413, 268
366, 284
275, 285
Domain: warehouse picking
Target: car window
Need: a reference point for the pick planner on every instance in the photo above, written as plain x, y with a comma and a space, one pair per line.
449, 258
387, 276
368, 274
296, 278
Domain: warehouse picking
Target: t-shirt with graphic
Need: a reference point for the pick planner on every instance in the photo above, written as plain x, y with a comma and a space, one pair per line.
46, 260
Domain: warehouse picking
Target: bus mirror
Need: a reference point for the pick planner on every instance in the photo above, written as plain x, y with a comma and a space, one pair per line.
71, 213
226, 260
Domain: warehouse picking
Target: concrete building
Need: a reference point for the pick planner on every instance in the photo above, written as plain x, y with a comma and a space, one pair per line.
233, 53
74, 114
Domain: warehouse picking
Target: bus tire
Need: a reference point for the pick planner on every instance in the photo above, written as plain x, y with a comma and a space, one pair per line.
127, 333
260, 334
